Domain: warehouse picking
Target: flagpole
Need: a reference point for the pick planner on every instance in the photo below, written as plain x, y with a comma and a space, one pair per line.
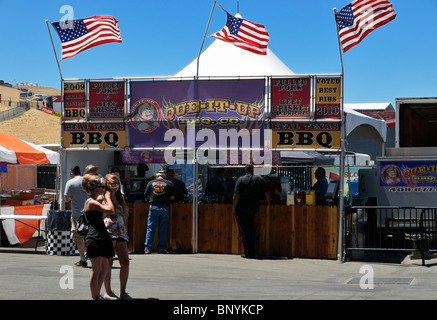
56, 56
339, 42
58, 198
341, 209
192, 129
203, 41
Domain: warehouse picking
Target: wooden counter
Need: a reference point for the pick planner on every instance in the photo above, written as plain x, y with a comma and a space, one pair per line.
179, 231
295, 231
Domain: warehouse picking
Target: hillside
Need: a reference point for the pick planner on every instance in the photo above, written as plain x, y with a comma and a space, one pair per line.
14, 93
41, 90
7, 93
33, 125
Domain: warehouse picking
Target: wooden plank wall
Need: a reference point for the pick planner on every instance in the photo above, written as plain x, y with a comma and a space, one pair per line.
179, 230
295, 231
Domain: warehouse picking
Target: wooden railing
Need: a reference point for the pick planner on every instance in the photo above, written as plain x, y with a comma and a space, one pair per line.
281, 231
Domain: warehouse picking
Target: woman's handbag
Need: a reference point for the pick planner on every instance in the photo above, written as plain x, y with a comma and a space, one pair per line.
82, 224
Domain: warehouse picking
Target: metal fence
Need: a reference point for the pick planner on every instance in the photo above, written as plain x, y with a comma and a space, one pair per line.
300, 176
12, 111
391, 229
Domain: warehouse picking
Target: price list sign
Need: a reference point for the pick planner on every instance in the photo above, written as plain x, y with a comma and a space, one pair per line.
290, 98
328, 91
106, 100
74, 101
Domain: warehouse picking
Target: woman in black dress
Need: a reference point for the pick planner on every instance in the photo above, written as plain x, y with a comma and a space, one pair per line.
97, 241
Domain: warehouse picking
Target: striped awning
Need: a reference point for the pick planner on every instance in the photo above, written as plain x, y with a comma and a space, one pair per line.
18, 151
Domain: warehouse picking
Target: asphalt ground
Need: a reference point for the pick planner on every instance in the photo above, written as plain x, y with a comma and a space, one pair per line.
227, 285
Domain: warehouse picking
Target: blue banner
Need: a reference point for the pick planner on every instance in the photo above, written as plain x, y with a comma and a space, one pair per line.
159, 106
408, 173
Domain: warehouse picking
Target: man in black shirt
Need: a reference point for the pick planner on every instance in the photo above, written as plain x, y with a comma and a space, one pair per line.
159, 192
249, 189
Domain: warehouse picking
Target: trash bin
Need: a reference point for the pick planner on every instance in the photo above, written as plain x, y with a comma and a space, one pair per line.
59, 241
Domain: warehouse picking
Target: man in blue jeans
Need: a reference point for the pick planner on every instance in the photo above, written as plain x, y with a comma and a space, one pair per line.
159, 192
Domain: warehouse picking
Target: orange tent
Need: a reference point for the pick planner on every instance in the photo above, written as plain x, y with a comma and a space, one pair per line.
16, 151
20, 232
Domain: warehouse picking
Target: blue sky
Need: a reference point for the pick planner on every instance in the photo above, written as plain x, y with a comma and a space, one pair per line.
161, 37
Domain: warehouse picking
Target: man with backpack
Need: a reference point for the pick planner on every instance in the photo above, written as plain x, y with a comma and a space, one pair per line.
159, 192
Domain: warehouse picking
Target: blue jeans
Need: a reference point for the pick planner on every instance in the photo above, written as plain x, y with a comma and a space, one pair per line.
157, 213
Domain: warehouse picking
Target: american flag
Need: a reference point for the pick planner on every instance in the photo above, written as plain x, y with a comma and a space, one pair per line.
79, 35
244, 34
359, 18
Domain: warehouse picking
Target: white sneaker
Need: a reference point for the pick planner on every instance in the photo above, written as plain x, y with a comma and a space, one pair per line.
110, 296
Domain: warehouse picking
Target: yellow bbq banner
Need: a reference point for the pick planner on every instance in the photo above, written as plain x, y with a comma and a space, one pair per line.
306, 135
98, 135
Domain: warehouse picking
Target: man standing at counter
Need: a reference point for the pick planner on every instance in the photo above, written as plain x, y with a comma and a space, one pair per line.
321, 186
249, 189
159, 192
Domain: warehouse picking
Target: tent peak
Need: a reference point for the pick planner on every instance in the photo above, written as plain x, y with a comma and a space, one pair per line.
222, 59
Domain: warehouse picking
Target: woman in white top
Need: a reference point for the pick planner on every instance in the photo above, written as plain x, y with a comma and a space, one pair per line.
117, 229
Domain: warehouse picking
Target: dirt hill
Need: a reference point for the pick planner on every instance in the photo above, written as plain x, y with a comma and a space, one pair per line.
7, 92
41, 90
33, 125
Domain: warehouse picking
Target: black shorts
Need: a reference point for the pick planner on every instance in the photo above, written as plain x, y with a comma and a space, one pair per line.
95, 249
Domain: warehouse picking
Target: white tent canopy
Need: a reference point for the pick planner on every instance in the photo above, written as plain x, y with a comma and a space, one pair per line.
355, 119
222, 59
379, 106
307, 157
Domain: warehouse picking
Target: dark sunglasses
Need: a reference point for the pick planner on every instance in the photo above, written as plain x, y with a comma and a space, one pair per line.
114, 184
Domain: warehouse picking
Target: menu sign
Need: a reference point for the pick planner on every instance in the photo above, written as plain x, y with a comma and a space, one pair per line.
290, 98
106, 100
98, 135
74, 101
328, 91
307, 135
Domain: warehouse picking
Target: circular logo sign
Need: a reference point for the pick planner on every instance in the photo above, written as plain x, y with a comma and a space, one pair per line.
145, 115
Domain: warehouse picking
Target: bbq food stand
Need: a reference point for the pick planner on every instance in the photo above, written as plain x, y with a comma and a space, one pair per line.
183, 122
